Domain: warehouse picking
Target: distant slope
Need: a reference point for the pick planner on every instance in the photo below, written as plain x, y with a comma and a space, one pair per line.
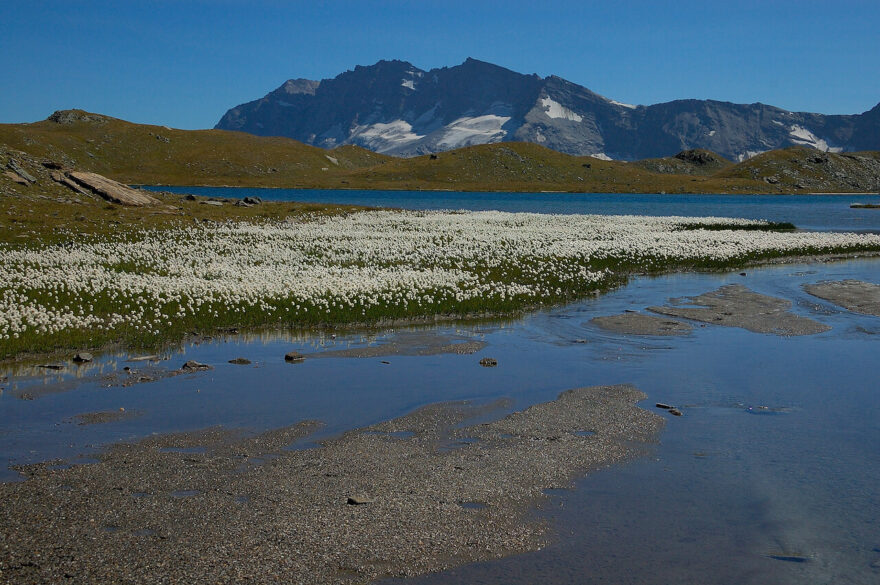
396, 108
155, 155
136, 153
802, 169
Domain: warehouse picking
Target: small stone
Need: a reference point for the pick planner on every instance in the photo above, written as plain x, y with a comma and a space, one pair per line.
194, 366
240, 361
359, 500
252, 200
294, 356
742, 273
53, 366
488, 362
674, 412
83, 357
664, 406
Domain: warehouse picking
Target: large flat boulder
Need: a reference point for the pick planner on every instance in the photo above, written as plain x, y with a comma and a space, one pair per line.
111, 190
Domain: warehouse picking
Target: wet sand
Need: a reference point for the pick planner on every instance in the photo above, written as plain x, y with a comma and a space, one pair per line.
424, 492
734, 305
855, 295
639, 324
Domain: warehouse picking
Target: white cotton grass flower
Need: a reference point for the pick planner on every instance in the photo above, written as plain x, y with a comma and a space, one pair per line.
422, 262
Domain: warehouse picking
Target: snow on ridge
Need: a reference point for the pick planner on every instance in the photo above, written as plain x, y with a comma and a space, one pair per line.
467, 131
801, 135
554, 109
623, 105
712, 133
408, 83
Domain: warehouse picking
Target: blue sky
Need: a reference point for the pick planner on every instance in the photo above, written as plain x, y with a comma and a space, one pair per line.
184, 63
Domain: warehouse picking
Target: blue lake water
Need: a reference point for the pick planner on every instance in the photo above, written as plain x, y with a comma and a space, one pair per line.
733, 492
813, 212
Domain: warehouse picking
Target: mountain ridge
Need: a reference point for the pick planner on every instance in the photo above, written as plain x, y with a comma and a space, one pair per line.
396, 108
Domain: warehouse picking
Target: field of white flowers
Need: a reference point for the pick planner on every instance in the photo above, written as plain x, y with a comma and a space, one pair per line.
141, 287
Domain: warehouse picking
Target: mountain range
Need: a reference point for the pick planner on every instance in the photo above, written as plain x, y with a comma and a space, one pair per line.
395, 108
79, 141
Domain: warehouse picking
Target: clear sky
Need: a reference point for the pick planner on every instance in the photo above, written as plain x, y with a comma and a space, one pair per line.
183, 63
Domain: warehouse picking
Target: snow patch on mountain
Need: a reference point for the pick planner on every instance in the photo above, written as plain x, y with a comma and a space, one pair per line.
800, 135
467, 131
623, 105
601, 156
554, 109
408, 83
384, 137
748, 154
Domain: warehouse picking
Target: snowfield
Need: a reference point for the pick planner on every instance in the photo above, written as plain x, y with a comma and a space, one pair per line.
554, 109
467, 131
385, 137
801, 135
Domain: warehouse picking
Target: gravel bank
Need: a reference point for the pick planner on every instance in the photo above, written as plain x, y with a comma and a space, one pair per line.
638, 324
734, 305
420, 493
855, 295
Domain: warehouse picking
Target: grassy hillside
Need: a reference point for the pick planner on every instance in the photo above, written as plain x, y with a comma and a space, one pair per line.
137, 153
800, 169
156, 155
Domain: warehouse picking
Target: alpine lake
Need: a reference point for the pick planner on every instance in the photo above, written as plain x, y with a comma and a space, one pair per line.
766, 470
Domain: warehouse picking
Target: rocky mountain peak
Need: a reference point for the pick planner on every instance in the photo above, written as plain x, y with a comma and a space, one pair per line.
300, 86
393, 107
